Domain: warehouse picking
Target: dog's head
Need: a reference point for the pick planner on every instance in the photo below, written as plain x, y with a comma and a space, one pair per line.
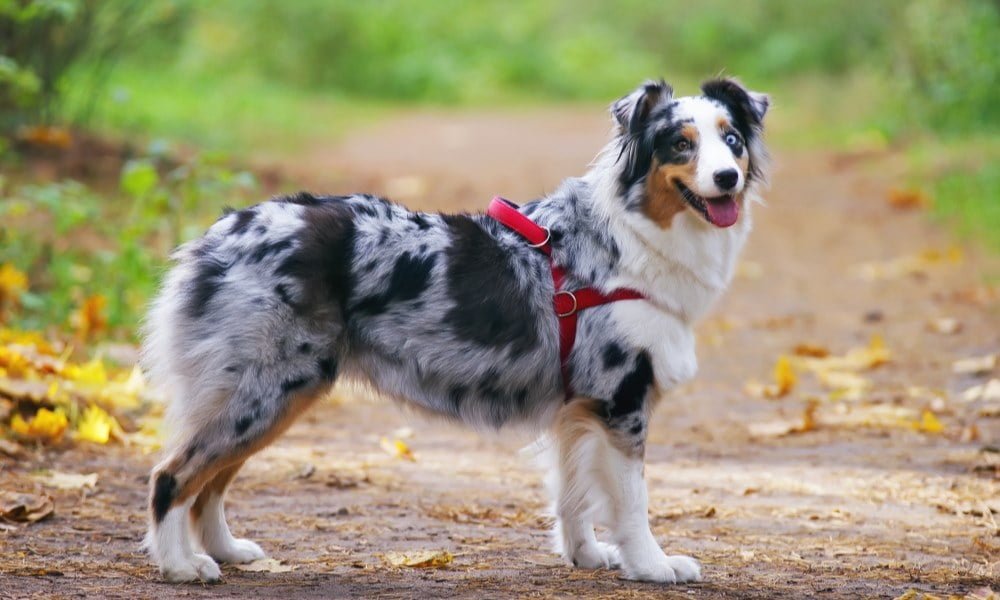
698, 153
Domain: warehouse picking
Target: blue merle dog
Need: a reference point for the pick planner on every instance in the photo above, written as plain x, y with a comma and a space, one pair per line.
453, 314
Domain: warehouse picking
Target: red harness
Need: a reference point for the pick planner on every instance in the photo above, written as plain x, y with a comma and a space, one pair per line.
566, 303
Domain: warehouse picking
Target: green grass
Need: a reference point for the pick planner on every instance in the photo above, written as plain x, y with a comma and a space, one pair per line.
230, 114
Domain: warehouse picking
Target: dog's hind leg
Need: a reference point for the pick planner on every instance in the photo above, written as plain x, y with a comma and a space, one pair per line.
205, 463
208, 519
573, 483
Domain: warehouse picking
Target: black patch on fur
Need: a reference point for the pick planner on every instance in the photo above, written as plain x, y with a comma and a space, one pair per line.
243, 220
260, 229
740, 106
164, 492
636, 429
631, 392
321, 261
489, 304
456, 395
327, 368
634, 113
364, 209
242, 424
409, 278
305, 348
282, 291
301, 198
613, 356
269, 249
420, 220
292, 385
209, 273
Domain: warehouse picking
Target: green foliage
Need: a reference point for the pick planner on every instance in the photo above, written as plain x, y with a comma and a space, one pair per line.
74, 243
969, 199
40, 40
947, 66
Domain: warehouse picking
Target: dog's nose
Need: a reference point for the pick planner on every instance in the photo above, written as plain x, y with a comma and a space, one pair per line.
726, 179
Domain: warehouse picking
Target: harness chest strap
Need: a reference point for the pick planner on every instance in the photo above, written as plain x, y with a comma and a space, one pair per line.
567, 304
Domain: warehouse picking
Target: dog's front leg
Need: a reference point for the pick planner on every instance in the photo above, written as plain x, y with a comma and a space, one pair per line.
642, 557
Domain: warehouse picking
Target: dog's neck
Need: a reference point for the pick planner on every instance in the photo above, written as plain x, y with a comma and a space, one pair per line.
682, 269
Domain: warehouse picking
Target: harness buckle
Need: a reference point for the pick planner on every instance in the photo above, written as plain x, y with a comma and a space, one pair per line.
572, 310
548, 236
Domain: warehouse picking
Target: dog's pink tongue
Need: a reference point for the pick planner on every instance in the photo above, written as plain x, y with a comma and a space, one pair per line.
723, 211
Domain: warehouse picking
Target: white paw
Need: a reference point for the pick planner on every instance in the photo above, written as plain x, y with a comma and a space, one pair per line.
665, 569
238, 551
596, 556
685, 568
195, 567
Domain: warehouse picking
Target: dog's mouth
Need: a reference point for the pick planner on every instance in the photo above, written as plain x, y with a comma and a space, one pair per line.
721, 211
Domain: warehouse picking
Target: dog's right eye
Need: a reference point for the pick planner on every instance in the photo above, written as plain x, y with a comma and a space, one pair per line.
682, 145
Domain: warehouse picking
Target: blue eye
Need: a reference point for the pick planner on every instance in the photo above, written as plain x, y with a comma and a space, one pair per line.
732, 139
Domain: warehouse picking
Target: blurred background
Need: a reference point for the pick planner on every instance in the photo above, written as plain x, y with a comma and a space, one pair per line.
127, 124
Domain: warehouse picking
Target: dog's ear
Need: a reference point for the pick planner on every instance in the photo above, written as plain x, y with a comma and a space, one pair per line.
632, 111
746, 107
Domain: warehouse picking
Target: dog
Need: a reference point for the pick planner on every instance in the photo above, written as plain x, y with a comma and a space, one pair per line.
453, 314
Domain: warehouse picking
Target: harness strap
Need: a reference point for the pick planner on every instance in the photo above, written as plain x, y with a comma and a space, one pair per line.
566, 304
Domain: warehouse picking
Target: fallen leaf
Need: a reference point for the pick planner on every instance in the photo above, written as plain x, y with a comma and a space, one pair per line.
67, 481
46, 135
423, 559
96, 425
784, 375
397, 448
27, 508
89, 319
989, 391
976, 365
783, 427
265, 565
812, 350
945, 325
929, 423
907, 199
46, 424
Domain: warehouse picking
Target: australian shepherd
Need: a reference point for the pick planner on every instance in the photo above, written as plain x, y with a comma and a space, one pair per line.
453, 314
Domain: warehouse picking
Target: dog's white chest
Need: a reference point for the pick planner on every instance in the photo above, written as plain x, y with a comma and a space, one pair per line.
669, 340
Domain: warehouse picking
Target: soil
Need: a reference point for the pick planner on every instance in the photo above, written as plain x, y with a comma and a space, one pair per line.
828, 510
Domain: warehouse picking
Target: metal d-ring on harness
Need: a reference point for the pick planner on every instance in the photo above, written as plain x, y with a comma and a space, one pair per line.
567, 303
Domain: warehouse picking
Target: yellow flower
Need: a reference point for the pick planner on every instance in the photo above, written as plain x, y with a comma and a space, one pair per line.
46, 424
12, 284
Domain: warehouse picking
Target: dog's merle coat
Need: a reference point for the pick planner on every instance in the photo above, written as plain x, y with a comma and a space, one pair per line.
449, 313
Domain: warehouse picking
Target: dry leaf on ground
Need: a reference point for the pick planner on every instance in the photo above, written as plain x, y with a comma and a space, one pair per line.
67, 481
945, 325
422, 559
266, 565
906, 199
397, 448
26, 508
989, 391
975, 365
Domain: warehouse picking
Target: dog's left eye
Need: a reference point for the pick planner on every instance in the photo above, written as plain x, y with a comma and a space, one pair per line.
732, 139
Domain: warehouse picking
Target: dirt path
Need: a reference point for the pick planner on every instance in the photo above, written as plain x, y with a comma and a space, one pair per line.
840, 511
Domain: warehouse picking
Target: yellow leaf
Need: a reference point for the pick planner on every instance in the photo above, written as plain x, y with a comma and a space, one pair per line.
397, 448
91, 372
424, 559
89, 318
784, 375
12, 283
46, 424
96, 425
13, 362
929, 423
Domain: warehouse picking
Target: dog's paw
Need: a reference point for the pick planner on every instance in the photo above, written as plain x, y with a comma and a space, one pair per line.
665, 569
596, 556
193, 568
238, 551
